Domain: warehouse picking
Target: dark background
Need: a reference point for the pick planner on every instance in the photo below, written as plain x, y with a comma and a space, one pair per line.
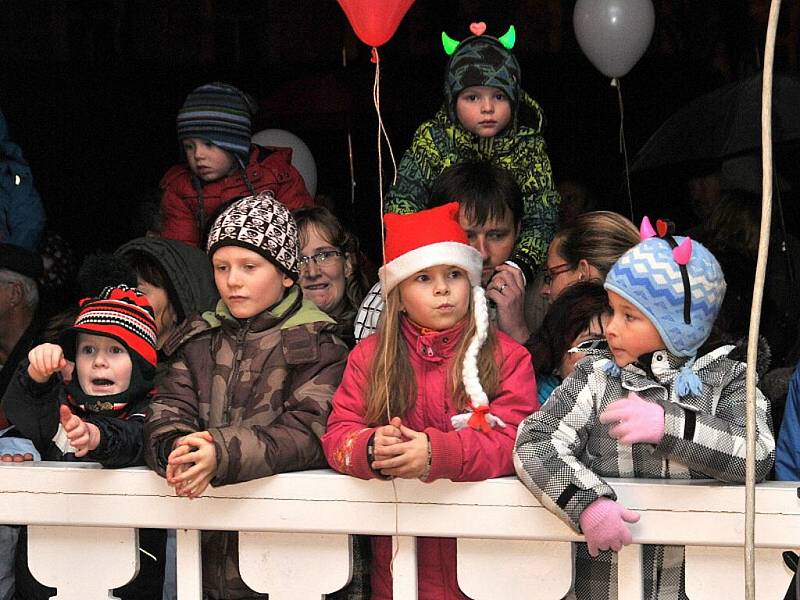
90, 89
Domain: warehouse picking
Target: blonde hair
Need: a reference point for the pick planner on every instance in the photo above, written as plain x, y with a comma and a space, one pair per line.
392, 381
599, 237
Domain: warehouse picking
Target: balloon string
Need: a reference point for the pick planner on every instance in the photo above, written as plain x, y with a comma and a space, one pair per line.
376, 99
623, 148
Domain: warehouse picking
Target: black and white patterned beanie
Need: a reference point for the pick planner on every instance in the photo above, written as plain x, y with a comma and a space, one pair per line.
261, 224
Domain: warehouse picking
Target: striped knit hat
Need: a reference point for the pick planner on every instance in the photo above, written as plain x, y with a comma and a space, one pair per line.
261, 224
121, 313
219, 113
678, 284
434, 237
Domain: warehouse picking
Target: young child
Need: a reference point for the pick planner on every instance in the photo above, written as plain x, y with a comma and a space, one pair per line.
458, 387
85, 399
221, 164
654, 404
249, 390
482, 119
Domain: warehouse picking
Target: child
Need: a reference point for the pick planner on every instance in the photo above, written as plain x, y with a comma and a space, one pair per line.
94, 411
654, 404
249, 390
443, 363
482, 119
221, 164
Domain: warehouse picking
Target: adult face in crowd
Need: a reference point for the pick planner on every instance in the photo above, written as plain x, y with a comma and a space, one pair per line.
331, 275
587, 250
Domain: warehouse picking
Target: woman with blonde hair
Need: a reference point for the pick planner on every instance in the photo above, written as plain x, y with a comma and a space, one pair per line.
587, 250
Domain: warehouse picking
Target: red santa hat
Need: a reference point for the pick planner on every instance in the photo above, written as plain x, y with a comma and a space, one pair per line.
433, 237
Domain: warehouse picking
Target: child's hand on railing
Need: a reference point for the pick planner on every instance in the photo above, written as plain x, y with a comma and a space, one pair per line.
192, 464
407, 458
603, 523
45, 360
82, 436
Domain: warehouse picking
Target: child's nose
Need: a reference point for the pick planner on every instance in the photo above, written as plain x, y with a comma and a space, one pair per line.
487, 105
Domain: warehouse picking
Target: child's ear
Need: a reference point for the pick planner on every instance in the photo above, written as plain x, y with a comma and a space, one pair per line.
287, 281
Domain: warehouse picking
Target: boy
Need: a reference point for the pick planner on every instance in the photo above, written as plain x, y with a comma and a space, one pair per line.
491, 214
84, 399
221, 164
658, 402
481, 120
249, 390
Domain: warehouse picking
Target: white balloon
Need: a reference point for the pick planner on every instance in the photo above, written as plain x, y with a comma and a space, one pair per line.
614, 34
302, 159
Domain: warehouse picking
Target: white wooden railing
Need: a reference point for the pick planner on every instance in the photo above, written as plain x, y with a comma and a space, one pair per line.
294, 527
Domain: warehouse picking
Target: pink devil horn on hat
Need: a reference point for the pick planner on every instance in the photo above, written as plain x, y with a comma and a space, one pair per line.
683, 252
646, 230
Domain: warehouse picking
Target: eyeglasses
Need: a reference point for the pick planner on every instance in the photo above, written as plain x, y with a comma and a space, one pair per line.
552, 272
320, 258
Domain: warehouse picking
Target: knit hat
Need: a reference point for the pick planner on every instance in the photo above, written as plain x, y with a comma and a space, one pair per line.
482, 60
219, 113
433, 237
121, 313
21, 260
261, 224
678, 284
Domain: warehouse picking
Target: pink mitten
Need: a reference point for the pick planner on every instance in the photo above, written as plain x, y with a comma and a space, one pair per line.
637, 420
603, 525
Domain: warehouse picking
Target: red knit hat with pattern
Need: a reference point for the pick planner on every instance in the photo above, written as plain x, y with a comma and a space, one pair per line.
424, 239
119, 312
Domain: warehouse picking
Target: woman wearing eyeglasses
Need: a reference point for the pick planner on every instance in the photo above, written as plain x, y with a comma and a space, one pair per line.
587, 250
330, 269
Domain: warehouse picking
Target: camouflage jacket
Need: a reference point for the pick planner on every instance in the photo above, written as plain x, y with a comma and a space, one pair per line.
439, 143
262, 388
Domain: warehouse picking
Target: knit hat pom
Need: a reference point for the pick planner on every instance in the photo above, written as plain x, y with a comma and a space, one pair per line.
119, 312
688, 383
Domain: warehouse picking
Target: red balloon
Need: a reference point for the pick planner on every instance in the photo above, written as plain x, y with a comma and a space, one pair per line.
375, 21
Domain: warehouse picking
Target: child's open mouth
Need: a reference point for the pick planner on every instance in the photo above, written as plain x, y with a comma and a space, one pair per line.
102, 382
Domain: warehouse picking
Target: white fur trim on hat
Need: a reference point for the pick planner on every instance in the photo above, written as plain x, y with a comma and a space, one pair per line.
441, 253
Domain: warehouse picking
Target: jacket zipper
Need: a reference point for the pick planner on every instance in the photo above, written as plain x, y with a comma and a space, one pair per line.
235, 371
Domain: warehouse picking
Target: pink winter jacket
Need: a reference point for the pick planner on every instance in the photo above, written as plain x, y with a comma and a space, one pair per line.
466, 455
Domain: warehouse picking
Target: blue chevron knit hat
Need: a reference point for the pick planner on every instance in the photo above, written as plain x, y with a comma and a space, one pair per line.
651, 278
219, 113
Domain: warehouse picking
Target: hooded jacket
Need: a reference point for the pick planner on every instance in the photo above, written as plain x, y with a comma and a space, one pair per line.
22, 215
187, 204
442, 142
465, 455
262, 388
563, 452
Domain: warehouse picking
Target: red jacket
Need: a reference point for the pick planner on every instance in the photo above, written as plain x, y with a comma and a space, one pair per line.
465, 455
267, 169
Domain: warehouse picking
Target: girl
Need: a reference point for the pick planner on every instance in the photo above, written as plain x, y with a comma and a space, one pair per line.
458, 388
656, 403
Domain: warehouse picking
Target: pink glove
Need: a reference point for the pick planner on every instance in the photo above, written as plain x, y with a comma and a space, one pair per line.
637, 420
603, 525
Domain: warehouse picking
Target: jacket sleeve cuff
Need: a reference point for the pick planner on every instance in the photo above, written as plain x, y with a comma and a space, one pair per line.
445, 454
350, 455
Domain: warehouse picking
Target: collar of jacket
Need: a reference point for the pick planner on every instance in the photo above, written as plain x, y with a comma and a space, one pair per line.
433, 346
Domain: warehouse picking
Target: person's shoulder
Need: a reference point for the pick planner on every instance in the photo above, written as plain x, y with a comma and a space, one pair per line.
175, 176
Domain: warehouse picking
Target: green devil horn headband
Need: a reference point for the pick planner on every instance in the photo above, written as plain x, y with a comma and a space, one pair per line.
508, 39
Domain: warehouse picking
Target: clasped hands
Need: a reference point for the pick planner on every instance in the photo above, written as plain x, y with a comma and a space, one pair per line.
400, 451
192, 464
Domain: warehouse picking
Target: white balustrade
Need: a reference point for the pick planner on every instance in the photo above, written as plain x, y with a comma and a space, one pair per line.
82, 531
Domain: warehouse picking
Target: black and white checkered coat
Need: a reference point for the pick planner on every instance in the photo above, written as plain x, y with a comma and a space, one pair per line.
563, 452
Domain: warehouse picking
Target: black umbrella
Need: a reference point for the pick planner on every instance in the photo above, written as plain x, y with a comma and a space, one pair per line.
723, 123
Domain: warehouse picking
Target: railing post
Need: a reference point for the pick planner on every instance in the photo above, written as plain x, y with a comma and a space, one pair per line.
404, 567
189, 569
